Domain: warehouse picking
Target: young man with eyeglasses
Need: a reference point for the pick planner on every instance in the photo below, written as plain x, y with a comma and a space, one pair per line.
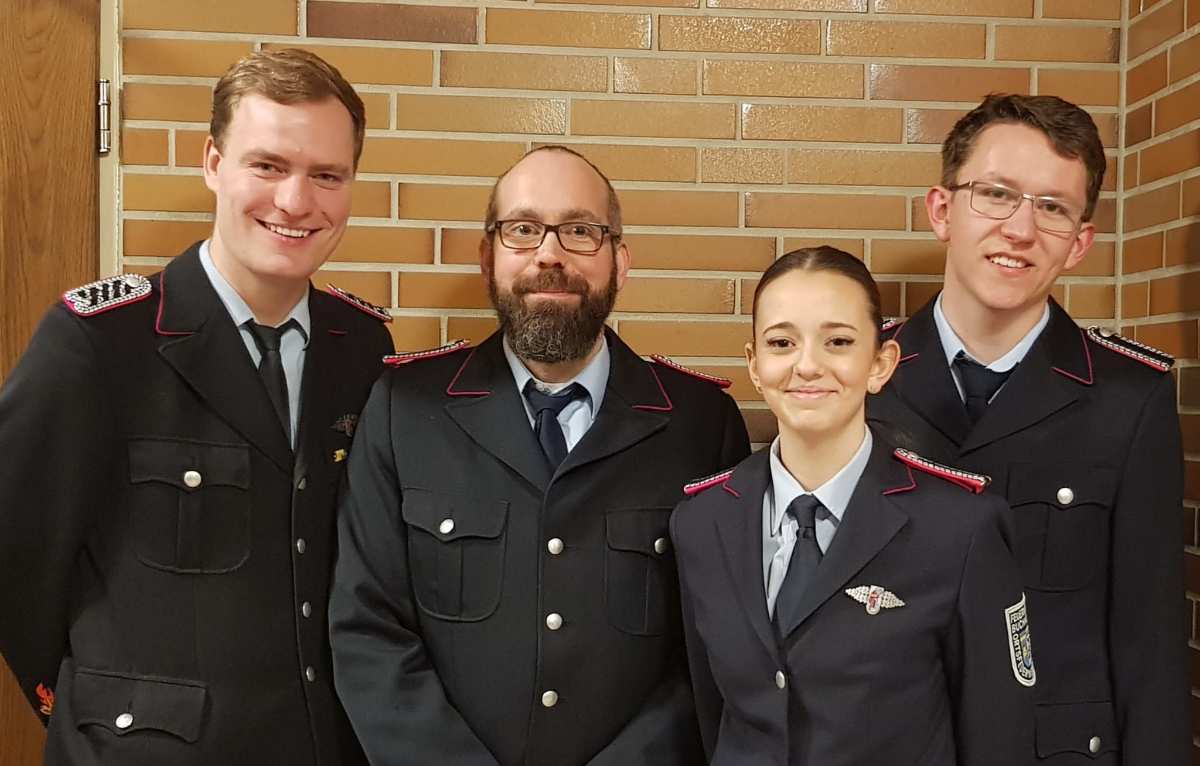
1077, 428
505, 591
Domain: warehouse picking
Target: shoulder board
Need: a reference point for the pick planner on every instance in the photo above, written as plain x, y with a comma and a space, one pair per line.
890, 325
1147, 355
107, 294
379, 312
975, 482
699, 485
395, 360
667, 362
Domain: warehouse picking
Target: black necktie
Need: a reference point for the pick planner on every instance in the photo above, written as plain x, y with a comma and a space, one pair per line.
545, 418
270, 367
806, 555
979, 384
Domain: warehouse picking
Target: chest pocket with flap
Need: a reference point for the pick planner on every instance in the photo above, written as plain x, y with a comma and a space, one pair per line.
640, 589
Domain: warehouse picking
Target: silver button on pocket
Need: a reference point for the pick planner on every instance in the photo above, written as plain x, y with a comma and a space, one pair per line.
192, 479
124, 721
1065, 496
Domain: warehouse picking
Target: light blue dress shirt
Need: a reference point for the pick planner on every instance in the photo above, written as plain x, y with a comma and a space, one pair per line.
952, 344
577, 417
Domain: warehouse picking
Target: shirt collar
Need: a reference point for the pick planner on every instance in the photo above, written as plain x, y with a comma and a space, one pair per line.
952, 344
593, 377
834, 494
237, 307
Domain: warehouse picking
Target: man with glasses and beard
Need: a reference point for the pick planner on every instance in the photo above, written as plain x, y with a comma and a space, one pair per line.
505, 591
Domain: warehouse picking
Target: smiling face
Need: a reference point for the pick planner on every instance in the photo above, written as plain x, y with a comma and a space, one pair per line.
282, 182
814, 354
1006, 268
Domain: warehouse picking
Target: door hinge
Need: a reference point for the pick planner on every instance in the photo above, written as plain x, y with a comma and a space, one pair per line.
102, 119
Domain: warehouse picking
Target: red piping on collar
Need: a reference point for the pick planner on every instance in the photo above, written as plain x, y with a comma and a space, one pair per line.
338, 332
162, 300
1087, 352
450, 388
654, 407
912, 484
904, 359
731, 490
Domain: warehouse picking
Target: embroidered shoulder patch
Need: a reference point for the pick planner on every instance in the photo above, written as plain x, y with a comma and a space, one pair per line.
395, 360
671, 363
699, 485
379, 312
107, 294
1147, 355
1020, 648
975, 482
46, 696
874, 597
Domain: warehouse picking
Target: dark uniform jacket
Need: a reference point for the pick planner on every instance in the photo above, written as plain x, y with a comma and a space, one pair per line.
1084, 444
456, 545
164, 558
930, 682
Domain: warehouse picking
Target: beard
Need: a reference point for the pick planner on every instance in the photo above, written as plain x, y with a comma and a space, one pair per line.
550, 332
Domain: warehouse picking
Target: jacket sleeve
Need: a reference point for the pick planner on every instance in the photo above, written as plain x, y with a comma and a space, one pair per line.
382, 672
1146, 617
991, 652
56, 431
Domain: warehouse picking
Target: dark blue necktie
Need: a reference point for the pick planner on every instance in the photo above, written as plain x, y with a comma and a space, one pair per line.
270, 367
979, 384
806, 555
545, 418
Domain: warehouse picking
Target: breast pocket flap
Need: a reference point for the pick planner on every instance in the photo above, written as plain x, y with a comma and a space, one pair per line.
638, 531
1061, 485
454, 517
189, 465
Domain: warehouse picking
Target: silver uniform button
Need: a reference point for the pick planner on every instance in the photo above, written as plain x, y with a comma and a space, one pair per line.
192, 478
301, 546
554, 621
780, 679
302, 484
446, 527
306, 609
660, 545
555, 546
124, 721
310, 674
550, 698
1094, 745
1065, 495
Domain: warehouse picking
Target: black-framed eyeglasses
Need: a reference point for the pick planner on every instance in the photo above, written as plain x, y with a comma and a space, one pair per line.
579, 237
997, 201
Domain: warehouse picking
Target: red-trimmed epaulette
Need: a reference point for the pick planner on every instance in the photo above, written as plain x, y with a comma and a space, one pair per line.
699, 485
379, 312
671, 363
107, 294
890, 324
975, 482
1147, 355
395, 360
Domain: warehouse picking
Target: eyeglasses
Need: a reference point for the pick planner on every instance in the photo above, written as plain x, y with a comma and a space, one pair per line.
1050, 214
579, 237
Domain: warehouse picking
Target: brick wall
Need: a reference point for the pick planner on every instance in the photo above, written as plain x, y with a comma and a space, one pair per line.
1159, 278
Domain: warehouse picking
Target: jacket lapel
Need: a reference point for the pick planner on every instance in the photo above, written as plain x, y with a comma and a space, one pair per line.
924, 381
318, 391
200, 341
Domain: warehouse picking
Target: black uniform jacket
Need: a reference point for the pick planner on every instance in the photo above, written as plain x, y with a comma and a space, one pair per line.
158, 540
929, 683
1084, 444
460, 552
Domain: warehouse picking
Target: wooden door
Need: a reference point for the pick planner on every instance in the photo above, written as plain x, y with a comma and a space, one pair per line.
49, 240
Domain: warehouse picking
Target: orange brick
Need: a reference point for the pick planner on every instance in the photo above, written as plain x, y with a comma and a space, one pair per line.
1110, 174
648, 75
509, 26
679, 208
907, 256
374, 65
143, 147
1184, 58
1183, 245
1106, 126
674, 295
1191, 197
707, 253
195, 58
761, 425
868, 38
1176, 109
1082, 9
385, 244
475, 114
849, 6
186, 103
1175, 294
821, 123
724, 77
929, 126
372, 286
1139, 124
1155, 27
377, 21
853, 246
1175, 338
470, 69
742, 166
270, 17
174, 194
1081, 86
824, 211
917, 294
1100, 260
472, 329
1104, 217
189, 148
372, 199
653, 119
749, 288
461, 245
442, 290
685, 338
943, 83
1092, 301
379, 110
161, 238
1135, 301
1152, 207
730, 34
1131, 170
1146, 78
655, 3
1142, 253
858, 167
438, 157
443, 202
642, 163
1011, 8
1193, 13
920, 219
889, 298
1170, 157
415, 333
1057, 43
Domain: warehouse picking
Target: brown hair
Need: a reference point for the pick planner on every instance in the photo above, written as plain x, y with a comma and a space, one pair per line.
288, 76
614, 205
1070, 129
824, 258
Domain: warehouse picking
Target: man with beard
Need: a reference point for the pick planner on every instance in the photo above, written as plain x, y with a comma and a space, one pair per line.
505, 590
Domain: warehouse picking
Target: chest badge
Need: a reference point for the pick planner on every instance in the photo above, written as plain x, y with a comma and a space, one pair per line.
874, 598
1020, 648
339, 455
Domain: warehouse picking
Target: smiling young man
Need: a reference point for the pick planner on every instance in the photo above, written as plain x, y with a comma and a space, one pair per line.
1077, 428
165, 551
505, 590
